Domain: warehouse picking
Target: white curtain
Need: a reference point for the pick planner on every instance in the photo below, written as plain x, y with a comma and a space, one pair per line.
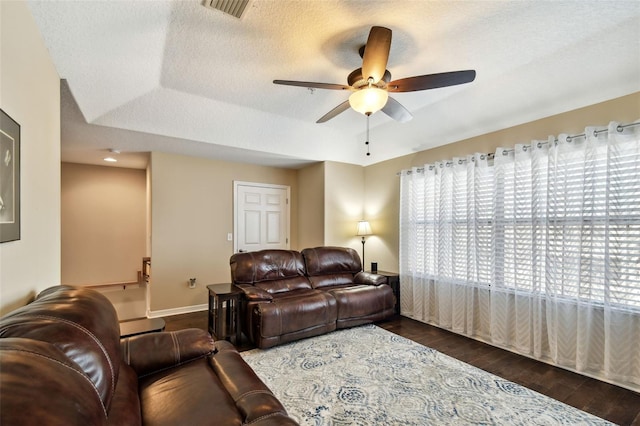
536, 250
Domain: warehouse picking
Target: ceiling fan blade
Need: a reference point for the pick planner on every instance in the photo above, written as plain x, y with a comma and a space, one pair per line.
337, 110
376, 53
431, 81
396, 111
312, 85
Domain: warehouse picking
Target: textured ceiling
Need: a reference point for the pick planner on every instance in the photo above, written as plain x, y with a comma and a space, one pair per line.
178, 77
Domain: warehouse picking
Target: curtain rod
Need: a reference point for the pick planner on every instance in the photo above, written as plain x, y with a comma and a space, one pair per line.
490, 155
569, 138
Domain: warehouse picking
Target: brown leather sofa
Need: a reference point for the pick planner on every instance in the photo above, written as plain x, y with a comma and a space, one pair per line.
290, 295
62, 362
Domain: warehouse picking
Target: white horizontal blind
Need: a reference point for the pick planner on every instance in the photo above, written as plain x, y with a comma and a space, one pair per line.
441, 220
594, 220
538, 251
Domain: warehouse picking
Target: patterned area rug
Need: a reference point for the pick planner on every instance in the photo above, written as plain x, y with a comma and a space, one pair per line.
369, 376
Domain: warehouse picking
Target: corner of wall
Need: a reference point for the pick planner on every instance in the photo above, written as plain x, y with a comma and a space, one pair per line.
344, 203
31, 96
311, 206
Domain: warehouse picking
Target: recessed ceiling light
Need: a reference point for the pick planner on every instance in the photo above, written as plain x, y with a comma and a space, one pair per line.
112, 159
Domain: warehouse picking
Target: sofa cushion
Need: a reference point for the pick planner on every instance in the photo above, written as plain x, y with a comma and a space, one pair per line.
289, 316
64, 396
297, 311
286, 285
331, 280
331, 266
363, 301
274, 271
189, 394
82, 323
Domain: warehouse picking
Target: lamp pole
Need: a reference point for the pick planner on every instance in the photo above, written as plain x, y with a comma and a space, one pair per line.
363, 230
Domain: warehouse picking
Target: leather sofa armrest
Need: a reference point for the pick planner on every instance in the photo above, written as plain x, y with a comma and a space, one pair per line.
224, 345
369, 278
153, 352
252, 397
254, 293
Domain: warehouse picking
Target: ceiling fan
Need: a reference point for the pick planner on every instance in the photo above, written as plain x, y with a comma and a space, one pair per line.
371, 84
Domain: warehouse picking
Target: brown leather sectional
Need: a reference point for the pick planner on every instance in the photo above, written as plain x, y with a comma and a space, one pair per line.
62, 362
290, 295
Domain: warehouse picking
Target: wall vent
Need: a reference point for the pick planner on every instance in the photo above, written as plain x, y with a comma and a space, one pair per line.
230, 7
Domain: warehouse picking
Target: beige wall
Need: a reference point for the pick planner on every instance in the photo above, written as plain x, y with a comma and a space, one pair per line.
30, 94
624, 109
344, 200
311, 206
192, 212
382, 184
103, 224
381, 206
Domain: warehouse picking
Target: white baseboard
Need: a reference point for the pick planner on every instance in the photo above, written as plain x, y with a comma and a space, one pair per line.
177, 311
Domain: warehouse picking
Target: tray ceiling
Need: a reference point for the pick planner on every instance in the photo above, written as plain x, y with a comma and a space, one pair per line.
177, 76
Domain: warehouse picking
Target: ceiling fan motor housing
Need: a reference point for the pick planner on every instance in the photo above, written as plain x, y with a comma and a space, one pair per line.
357, 81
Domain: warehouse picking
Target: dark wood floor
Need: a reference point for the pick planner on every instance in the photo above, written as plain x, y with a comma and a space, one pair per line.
613, 403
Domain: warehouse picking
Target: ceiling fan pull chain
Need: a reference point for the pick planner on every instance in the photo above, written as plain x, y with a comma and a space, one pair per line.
367, 141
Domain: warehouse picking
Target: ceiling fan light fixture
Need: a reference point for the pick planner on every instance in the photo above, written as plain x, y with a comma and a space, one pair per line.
368, 100
371, 83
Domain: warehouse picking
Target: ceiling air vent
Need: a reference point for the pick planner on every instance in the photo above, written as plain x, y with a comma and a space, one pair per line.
231, 7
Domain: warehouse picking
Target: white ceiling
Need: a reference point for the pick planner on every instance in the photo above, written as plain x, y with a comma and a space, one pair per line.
178, 77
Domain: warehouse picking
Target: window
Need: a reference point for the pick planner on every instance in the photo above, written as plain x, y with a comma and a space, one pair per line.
537, 250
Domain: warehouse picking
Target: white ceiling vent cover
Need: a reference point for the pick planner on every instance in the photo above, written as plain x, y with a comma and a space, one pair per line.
231, 7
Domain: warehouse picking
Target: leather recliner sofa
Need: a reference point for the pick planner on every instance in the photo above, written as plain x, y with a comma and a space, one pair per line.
290, 295
62, 362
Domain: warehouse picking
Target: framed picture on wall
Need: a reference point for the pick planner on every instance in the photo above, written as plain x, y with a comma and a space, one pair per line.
9, 179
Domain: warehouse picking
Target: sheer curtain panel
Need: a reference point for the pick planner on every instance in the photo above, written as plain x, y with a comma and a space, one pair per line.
536, 250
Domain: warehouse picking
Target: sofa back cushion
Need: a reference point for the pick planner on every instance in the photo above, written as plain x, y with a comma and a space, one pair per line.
40, 385
82, 323
331, 266
274, 271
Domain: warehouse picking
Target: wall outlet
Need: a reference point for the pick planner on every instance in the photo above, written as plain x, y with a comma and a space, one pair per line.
192, 283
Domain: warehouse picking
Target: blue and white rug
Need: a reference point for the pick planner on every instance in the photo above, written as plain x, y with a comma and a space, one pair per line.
369, 376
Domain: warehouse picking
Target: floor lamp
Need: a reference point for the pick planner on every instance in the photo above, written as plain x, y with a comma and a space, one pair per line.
364, 229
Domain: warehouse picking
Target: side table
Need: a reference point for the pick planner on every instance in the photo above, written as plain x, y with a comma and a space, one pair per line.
393, 279
224, 311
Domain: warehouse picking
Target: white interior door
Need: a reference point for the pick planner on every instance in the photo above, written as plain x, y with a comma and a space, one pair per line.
261, 218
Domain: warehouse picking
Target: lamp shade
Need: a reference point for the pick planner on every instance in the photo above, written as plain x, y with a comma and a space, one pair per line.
369, 100
364, 229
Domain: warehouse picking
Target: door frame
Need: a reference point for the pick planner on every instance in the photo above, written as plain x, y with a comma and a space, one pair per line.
236, 184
